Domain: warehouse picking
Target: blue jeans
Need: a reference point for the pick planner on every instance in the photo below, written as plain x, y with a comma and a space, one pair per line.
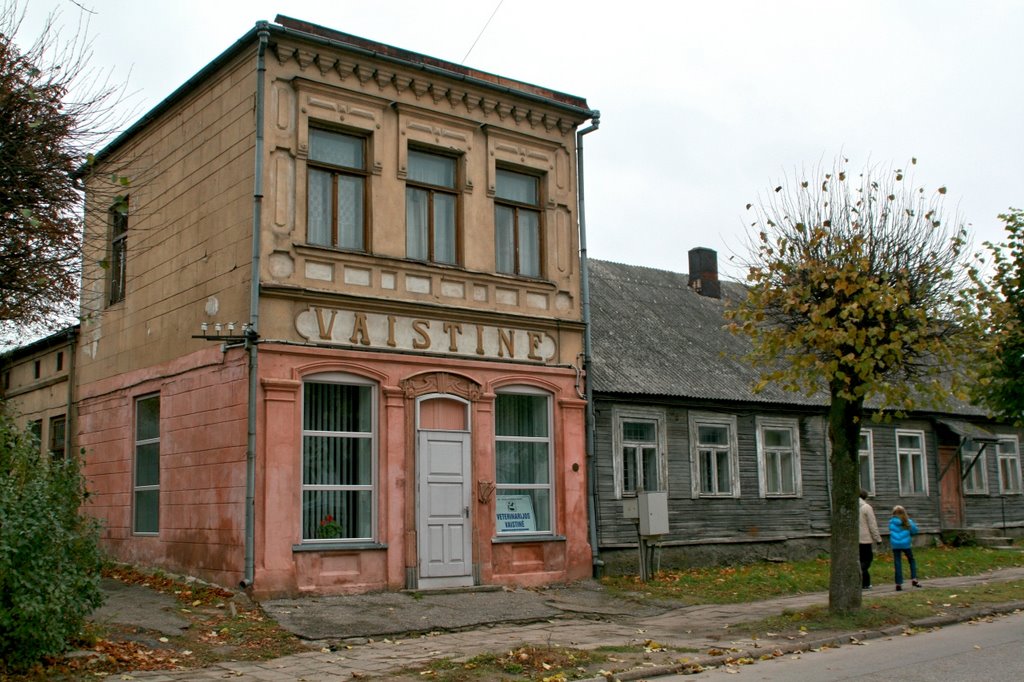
897, 562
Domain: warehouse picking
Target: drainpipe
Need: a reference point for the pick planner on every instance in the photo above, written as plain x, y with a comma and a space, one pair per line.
595, 117
252, 332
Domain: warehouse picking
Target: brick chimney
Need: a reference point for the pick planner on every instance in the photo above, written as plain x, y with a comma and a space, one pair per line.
704, 272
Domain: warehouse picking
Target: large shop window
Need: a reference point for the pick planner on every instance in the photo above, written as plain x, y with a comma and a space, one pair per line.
522, 434
147, 465
913, 472
714, 455
431, 208
517, 223
1009, 467
336, 211
640, 443
778, 456
338, 452
866, 461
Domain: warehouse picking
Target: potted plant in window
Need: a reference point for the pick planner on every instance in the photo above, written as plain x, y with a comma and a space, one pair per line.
329, 528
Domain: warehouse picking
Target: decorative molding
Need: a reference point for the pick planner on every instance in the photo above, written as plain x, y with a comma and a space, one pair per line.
441, 382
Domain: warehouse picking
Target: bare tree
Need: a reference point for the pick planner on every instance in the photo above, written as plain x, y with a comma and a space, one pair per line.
852, 283
54, 109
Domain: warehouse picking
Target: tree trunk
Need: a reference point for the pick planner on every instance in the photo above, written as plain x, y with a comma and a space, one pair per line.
844, 588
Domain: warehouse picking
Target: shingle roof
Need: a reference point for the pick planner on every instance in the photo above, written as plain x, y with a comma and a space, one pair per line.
652, 334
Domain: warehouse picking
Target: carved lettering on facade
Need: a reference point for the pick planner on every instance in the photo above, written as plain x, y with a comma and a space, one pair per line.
444, 337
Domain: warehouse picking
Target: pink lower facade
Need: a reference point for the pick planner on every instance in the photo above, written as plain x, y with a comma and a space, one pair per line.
373, 470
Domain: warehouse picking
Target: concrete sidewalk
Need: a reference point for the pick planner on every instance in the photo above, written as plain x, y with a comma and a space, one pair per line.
363, 636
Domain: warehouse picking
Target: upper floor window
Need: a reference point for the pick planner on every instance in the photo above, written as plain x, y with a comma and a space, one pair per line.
866, 461
778, 456
1009, 466
911, 463
118, 263
639, 443
522, 434
517, 223
336, 206
972, 462
714, 455
147, 465
338, 456
431, 208
58, 431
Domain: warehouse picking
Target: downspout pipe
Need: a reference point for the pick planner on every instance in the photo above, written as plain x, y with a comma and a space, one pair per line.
595, 121
252, 332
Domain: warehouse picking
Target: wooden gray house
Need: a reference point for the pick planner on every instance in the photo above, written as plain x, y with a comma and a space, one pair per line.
747, 474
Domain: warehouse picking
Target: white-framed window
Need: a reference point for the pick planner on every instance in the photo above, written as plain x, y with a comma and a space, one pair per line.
146, 516
714, 455
778, 457
973, 462
517, 229
640, 460
336, 190
523, 460
1009, 466
866, 461
911, 463
431, 208
339, 455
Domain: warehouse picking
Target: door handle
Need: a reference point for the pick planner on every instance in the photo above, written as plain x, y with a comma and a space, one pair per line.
465, 510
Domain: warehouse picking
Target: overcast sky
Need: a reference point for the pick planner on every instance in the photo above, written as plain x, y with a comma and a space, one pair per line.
704, 104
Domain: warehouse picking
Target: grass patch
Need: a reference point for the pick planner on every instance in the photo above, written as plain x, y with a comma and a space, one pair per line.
547, 663
754, 582
882, 612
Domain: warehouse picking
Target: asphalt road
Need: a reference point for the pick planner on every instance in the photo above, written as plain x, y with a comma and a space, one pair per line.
990, 650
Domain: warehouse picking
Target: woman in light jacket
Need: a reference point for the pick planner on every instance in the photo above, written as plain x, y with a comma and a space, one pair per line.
901, 531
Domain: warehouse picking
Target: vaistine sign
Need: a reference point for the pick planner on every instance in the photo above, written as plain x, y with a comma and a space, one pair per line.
423, 335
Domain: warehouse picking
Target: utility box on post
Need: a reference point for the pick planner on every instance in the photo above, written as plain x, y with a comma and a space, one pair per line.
653, 509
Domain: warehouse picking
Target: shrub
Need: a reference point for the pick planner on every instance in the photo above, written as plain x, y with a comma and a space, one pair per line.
49, 552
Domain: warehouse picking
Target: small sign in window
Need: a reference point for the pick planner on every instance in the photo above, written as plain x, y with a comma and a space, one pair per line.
515, 514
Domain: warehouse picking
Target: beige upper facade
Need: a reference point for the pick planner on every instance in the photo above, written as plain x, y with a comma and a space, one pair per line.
184, 250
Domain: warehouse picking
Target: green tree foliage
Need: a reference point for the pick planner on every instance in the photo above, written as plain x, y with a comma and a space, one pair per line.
994, 311
851, 284
49, 553
52, 109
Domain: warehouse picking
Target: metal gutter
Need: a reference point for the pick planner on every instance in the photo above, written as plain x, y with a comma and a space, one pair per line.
262, 30
588, 383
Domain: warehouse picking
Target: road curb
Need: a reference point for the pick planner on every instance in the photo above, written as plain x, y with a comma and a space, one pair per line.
699, 663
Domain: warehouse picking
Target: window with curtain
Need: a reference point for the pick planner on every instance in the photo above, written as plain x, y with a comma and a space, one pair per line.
431, 208
778, 443
866, 461
639, 441
1009, 467
147, 465
338, 453
522, 434
913, 473
715, 457
517, 223
336, 191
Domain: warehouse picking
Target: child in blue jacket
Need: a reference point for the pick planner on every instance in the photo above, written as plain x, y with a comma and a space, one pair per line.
901, 531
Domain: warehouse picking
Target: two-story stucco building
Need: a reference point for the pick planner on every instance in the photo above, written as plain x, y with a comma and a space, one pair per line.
331, 324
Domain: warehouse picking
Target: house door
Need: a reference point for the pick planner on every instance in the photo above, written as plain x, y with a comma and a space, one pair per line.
951, 499
443, 524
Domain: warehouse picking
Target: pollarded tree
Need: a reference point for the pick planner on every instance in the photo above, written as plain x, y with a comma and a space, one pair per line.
52, 110
995, 312
851, 282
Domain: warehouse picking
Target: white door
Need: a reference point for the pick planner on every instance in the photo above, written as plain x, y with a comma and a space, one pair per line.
445, 537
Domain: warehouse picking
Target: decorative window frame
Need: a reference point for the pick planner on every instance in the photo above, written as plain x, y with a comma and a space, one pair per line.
716, 419
923, 454
621, 414
793, 426
1014, 462
980, 466
869, 455
345, 379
